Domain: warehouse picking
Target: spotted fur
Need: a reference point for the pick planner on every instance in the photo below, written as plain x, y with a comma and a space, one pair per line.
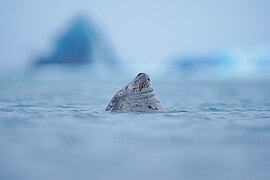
136, 96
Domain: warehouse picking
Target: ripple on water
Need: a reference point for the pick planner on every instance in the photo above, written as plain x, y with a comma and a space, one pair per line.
69, 133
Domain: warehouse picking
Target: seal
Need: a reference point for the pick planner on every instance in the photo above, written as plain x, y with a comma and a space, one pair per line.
136, 96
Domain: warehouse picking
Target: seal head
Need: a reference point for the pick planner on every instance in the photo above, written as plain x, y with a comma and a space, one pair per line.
136, 96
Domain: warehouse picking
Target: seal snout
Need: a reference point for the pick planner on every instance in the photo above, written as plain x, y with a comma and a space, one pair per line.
143, 76
140, 74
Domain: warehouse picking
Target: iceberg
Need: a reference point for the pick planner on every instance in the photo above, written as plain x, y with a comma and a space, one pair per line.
82, 43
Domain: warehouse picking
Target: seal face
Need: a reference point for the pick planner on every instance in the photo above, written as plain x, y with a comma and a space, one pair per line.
136, 96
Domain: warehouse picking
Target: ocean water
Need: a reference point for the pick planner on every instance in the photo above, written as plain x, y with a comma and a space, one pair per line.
55, 127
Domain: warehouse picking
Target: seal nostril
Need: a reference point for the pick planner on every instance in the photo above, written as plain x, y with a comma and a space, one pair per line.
140, 74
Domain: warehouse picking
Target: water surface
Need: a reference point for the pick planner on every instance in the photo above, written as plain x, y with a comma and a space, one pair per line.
57, 128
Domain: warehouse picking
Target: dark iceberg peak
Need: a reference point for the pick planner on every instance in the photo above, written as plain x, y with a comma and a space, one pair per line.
77, 45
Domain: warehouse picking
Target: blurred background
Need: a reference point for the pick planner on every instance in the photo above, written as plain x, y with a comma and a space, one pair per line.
190, 38
62, 61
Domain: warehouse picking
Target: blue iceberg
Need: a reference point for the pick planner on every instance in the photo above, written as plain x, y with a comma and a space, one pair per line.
81, 44
204, 64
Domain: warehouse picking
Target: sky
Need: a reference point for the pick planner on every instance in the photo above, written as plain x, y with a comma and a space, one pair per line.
144, 31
